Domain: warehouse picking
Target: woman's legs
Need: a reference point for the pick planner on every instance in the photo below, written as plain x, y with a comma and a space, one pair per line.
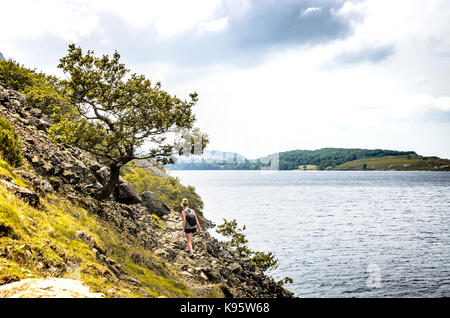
189, 242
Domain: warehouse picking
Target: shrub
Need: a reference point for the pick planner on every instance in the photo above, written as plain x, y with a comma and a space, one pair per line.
261, 260
286, 280
39, 88
9, 144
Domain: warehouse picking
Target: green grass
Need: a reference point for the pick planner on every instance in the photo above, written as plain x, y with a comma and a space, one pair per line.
403, 163
307, 167
7, 172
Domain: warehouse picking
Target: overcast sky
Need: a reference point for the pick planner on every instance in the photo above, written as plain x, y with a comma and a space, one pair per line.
271, 75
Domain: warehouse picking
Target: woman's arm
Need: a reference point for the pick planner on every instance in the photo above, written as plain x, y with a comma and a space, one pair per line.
183, 214
198, 224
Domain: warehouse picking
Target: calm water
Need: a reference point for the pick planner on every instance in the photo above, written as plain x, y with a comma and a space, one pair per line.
341, 234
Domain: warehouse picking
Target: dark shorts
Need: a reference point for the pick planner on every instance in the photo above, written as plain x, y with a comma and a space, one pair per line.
190, 230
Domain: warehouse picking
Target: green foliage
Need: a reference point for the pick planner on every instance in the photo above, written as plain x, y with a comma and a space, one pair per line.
40, 89
114, 114
168, 189
264, 260
238, 240
286, 280
15, 76
9, 144
331, 157
7, 172
157, 221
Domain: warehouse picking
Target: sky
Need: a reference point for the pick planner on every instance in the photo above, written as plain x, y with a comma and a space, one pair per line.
271, 75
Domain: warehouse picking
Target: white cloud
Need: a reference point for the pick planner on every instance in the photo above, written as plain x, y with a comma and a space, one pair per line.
214, 25
310, 10
440, 103
77, 19
64, 19
169, 17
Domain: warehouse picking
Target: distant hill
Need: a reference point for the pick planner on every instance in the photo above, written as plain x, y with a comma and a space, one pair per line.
1, 56
210, 156
320, 159
407, 163
327, 158
213, 160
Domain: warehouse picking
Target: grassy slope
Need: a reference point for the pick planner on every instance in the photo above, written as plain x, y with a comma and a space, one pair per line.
37, 240
407, 163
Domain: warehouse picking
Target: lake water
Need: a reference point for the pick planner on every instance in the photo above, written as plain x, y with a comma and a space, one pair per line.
340, 234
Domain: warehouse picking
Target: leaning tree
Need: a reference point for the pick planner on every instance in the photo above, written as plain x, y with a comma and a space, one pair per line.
115, 115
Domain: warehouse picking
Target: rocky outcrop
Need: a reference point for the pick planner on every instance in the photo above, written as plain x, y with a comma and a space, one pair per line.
47, 288
154, 204
77, 176
25, 194
68, 170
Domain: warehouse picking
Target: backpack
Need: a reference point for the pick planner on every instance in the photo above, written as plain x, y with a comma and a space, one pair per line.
190, 218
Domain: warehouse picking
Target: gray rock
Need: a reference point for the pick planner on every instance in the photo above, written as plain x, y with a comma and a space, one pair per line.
25, 194
162, 253
235, 268
48, 167
213, 249
154, 204
88, 239
102, 175
36, 112
93, 188
40, 124
47, 187
11, 99
212, 275
126, 193
48, 288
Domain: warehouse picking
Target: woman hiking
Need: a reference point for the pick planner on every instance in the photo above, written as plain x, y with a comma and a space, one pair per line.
190, 224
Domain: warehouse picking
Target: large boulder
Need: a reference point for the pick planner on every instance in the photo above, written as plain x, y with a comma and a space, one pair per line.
126, 193
47, 288
154, 204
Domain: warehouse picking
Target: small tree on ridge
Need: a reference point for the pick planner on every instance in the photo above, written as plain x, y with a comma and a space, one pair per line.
115, 114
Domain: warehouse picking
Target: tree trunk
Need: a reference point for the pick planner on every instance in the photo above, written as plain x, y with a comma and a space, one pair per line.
109, 187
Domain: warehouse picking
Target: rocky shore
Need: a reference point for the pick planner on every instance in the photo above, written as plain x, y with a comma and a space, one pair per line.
142, 218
